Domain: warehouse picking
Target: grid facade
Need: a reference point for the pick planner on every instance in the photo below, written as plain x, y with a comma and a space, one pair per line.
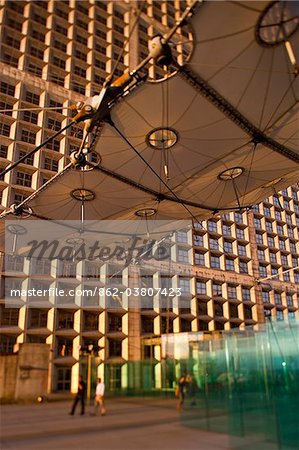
250, 261
232, 270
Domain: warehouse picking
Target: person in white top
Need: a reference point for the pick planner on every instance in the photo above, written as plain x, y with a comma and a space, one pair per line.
99, 398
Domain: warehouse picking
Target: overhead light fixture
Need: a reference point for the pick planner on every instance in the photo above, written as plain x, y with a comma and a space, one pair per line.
162, 138
231, 174
16, 230
146, 212
277, 23
83, 195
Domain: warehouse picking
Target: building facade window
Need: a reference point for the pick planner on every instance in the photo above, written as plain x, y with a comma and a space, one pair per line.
51, 164
271, 241
199, 259
3, 151
184, 284
259, 238
229, 264
289, 298
240, 233
228, 247
242, 250
226, 229
266, 296
243, 267
212, 226
232, 293
257, 223
115, 348
23, 179
215, 262
267, 211
37, 318
9, 317
214, 244
182, 237
31, 97
262, 271
277, 298
183, 255
28, 136
5, 129
238, 217
6, 88
90, 321
246, 294
7, 344
198, 240
217, 290
29, 160
201, 287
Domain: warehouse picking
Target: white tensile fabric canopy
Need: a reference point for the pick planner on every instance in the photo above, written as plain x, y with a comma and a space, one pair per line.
221, 134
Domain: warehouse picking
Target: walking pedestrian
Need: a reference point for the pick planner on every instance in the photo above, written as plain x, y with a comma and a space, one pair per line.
192, 388
99, 398
181, 392
80, 397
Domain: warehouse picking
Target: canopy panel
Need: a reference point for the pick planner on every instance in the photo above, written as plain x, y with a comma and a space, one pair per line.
240, 51
220, 135
104, 198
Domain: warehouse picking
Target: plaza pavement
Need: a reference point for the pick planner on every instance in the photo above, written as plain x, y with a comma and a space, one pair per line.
130, 424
